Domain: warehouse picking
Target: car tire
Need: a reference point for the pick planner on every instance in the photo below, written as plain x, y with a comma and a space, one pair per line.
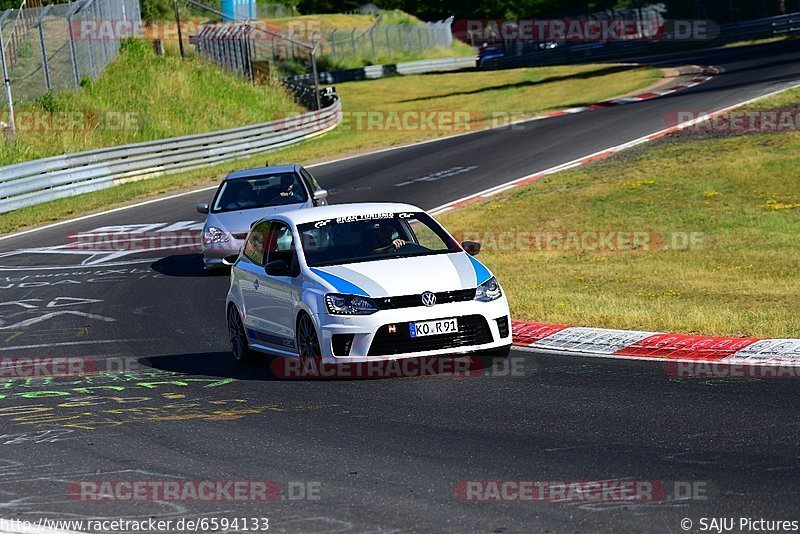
238, 337
308, 347
495, 358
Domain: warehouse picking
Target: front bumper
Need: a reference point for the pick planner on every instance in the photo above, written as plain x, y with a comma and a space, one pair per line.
215, 252
370, 332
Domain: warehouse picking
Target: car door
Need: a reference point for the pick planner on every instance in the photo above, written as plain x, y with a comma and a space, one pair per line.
250, 272
277, 295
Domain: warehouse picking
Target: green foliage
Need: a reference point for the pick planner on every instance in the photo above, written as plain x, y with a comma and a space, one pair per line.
48, 102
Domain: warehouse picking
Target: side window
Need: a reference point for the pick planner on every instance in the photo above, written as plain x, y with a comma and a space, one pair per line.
256, 241
310, 180
281, 244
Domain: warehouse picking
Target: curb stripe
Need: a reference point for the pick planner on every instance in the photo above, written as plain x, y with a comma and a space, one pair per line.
654, 346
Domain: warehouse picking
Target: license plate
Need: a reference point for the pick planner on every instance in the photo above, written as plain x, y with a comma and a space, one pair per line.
434, 328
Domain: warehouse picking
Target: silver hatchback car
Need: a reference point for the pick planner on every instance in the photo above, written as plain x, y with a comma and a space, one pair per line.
244, 197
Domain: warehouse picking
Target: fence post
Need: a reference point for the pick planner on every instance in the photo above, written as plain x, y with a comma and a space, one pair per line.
353, 40
72, 52
333, 43
388, 40
6, 80
316, 75
45, 66
372, 40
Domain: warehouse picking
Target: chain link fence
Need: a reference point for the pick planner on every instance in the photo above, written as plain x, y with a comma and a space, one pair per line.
386, 39
57, 46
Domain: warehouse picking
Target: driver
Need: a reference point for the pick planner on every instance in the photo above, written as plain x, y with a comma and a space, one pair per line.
287, 187
382, 239
242, 197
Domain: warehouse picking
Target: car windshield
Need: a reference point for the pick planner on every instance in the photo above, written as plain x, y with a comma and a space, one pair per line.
373, 237
259, 192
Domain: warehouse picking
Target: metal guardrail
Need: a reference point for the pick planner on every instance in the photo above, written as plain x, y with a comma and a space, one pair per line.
577, 53
43, 180
379, 71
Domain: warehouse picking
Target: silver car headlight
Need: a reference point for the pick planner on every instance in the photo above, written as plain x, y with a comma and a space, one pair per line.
489, 291
215, 235
349, 304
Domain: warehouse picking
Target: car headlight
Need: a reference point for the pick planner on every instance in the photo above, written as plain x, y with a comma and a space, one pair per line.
349, 304
489, 291
215, 235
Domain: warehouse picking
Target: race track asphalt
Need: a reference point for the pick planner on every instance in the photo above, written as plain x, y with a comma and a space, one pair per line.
380, 455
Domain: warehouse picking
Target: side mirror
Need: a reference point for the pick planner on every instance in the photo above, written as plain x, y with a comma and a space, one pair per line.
278, 268
231, 260
320, 195
473, 248
202, 208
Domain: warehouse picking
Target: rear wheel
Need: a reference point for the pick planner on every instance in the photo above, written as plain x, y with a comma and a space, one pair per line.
238, 337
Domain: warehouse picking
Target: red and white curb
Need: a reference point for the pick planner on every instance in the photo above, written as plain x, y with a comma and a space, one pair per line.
637, 345
705, 74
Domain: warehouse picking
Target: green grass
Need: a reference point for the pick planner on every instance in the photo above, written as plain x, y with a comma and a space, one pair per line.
526, 91
166, 97
740, 195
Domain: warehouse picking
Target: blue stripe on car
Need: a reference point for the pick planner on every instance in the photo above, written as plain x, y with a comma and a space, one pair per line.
341, 285
482, 274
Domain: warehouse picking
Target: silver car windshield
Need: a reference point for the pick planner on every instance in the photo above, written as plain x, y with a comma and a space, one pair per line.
373, 237
259, 192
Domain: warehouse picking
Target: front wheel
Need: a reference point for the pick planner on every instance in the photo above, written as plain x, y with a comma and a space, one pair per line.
238, 338
308, 347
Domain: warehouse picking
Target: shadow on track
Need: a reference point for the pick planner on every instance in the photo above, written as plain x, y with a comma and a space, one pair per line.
216, 364
185, 265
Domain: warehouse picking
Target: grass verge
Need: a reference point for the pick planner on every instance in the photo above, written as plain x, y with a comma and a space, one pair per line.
142, 97
718, 217
479, 94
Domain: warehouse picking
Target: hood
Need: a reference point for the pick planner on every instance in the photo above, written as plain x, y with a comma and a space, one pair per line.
240, 221
406, 276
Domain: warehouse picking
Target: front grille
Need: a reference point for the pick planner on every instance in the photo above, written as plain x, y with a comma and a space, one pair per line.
411, 301
502, 326
473, 330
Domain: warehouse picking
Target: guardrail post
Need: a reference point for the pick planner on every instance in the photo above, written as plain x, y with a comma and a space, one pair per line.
6, 80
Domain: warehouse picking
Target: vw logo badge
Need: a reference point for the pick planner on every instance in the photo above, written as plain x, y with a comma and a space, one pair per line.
428, 299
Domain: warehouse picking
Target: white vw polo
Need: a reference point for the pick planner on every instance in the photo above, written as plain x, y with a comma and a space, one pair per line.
362, 282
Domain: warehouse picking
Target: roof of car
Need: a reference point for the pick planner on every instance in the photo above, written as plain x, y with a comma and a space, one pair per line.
262, 171
307, 215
